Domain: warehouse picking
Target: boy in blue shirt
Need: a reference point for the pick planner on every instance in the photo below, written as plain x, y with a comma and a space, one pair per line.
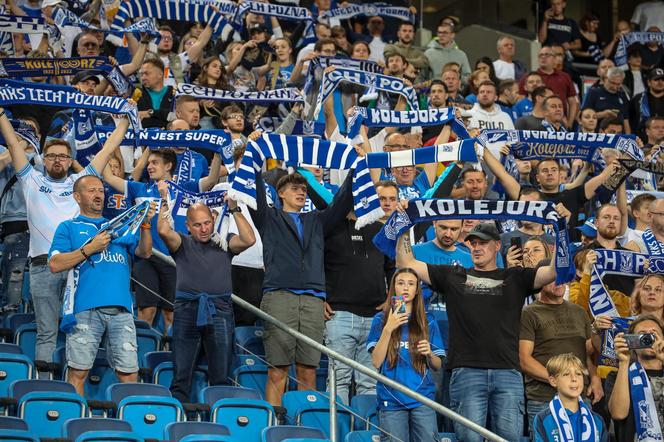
568, 418
102, 299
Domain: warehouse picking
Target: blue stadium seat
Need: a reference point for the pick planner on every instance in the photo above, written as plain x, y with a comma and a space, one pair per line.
147, 340
147, 407
100, 377
109, 436
252, 376
305, 439
282, 432
13, 367
15, 320
164, 372
6, 347
26, 338
450, 437
46, 405
366, 406
208, 438
142, 324
249, 340
17, 436
363, 436
177, 430
245, 418
13, 423
312, 408
248, 360
210, 395
73, 428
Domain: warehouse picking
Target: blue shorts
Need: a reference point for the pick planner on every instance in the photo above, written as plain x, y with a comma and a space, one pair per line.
121, 349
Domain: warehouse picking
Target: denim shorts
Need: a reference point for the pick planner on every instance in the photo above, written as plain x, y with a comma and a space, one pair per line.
120, 343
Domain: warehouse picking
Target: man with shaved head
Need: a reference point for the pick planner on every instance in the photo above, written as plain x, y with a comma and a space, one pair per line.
652, 240
203, 313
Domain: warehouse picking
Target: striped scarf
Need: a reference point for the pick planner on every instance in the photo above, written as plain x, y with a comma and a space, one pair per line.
311, 151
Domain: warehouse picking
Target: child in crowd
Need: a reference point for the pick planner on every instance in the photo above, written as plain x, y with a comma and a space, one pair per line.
405, 345
568, 418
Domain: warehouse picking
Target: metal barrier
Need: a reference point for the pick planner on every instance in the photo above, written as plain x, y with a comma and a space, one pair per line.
334, 356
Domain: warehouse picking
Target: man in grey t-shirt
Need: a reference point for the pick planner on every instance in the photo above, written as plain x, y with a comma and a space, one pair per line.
534, 120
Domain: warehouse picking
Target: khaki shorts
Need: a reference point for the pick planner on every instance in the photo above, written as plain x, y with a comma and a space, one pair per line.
303, 313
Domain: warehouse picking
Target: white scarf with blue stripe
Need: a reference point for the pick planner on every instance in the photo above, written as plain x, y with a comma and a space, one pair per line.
295, 151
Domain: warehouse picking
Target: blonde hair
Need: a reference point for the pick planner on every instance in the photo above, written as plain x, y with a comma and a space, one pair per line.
635, 299
559, 364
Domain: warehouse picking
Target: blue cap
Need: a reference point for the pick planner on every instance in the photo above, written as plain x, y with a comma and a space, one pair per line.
588, 228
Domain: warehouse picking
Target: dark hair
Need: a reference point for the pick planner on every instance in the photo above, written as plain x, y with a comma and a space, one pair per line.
387, 183
650, 120
470, 170
612, 121
79, 181
418, 326
528, 190
56, 142
539, 91
405, 23
586, 19
640, 200
154, 61
230, 109
544, 161
287, 180
357, 43
643, 318
492, 71
168, 156
505, 85
337, 31
552, 97
487, 83
437, 82
322, 42
396, 54
202, 79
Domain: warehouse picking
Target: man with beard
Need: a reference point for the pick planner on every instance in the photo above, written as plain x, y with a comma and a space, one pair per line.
49, 202
437, 100
486, 114
649, 103
443, 249
610, 223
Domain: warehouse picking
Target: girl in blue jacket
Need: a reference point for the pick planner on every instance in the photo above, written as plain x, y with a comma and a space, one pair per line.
405, 345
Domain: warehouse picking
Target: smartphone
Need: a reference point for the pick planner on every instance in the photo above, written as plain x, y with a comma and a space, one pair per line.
515, 241
643, 340
398, 304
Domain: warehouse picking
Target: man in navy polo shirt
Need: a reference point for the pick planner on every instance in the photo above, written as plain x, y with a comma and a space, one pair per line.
610, 101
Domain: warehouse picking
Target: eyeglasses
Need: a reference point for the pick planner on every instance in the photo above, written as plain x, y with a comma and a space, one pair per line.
546, 54
57, 156
397, 146
167, 38
90, 45
558, 55
235, 117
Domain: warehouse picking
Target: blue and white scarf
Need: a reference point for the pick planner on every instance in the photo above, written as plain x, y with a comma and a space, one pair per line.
65, 17
369, 10
589, 430
123, 230
302, 127
214, 140
311, 151
320, 63
19, 92
539, 144
634, 37
85, 136
388, 118
283, 12
51, 67
25, 131
654, 246
288, 95
463, 150
166, 10
379, 82
427, 210
19, 24
644, 407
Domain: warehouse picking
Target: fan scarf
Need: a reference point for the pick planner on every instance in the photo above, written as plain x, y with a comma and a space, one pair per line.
634, 37
290, 95
589, 431
427, 210
123, 230
644, 407
311, 151
369, 10
388, 118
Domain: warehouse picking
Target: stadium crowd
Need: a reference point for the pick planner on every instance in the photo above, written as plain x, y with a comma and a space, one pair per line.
93, 215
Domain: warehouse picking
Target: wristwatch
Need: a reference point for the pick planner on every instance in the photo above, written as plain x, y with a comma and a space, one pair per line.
237, 209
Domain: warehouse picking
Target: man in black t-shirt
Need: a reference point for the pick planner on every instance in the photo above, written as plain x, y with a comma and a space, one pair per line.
558, 29
549, 179
484, 310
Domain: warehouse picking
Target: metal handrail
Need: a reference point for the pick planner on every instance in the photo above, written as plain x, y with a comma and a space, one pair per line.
333, 355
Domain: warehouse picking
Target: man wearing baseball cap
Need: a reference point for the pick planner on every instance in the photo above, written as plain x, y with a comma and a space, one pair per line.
647, 104
484, 309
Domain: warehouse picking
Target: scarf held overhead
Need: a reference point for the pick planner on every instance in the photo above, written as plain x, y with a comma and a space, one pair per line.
290, 95
427, 210
369, 10
463, 150
310, 151
634, 37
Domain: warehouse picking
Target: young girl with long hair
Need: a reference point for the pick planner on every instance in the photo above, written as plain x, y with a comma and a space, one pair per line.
405, 345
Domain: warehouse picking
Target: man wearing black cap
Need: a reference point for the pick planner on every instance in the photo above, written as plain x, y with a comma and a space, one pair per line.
484, 308
648, 104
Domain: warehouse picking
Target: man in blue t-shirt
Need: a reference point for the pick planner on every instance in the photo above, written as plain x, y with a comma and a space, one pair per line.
153, 273
102, 299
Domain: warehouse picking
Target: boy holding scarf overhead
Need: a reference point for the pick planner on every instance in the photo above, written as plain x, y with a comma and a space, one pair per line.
568, 418
636, 391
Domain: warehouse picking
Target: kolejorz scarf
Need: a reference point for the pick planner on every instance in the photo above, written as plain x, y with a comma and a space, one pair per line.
311, 151
427, 210
644, 407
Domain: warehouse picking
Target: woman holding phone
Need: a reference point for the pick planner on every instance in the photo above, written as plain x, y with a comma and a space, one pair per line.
405, 345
